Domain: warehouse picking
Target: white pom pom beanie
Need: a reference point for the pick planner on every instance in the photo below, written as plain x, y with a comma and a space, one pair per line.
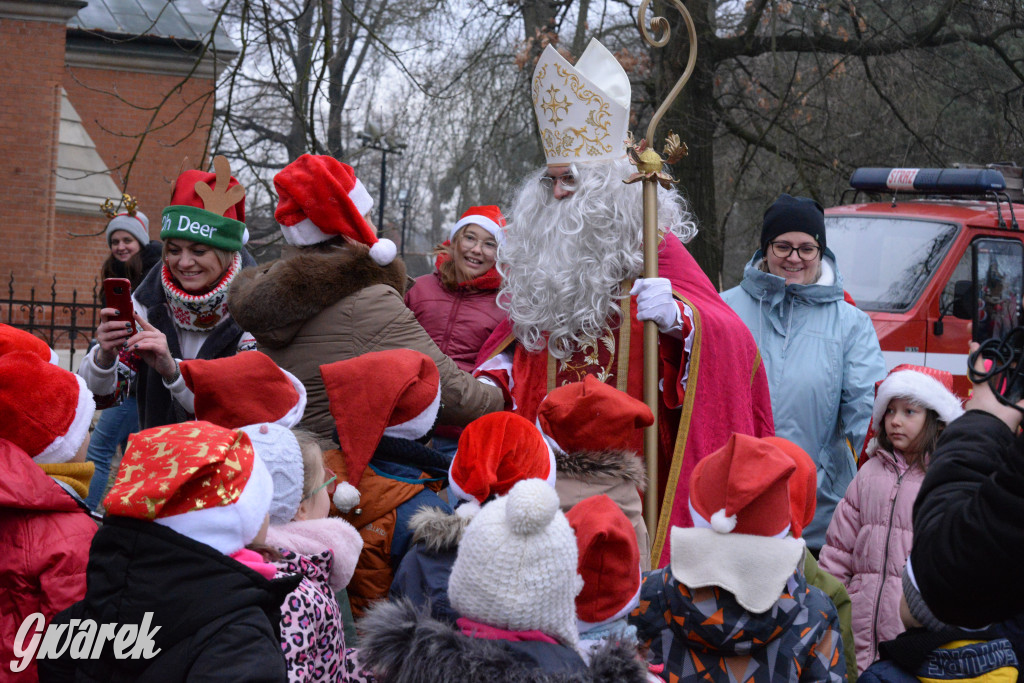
516, 567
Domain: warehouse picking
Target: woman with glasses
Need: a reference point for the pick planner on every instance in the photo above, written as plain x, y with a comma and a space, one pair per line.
820, 352
456, 304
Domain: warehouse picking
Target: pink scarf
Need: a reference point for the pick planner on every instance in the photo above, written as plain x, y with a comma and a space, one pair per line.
474, 629
254, 561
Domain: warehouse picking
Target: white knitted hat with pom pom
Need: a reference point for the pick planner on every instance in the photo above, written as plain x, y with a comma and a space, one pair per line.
516, 565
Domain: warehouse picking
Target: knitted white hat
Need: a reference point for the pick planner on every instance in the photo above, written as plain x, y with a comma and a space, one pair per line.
135, 224
516, 565
281, 453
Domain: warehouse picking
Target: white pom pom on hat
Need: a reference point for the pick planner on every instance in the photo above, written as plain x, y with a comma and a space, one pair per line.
346, 496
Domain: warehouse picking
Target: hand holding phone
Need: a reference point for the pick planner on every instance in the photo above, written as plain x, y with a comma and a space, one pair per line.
117, 292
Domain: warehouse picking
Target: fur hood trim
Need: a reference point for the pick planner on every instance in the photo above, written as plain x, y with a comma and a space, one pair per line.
587, 465
313, 536
403, 645
437, 530
295, 288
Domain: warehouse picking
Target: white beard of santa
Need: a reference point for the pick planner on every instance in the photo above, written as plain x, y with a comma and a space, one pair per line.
563, 260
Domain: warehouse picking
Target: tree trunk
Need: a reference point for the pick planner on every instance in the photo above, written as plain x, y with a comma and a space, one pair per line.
692, 117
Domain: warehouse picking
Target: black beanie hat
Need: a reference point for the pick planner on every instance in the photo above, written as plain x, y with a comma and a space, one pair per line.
793, 214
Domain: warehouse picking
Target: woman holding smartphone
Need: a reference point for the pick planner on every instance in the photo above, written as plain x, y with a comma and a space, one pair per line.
180, 309
132, 255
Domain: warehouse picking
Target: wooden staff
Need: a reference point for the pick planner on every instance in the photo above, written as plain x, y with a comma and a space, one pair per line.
649, 165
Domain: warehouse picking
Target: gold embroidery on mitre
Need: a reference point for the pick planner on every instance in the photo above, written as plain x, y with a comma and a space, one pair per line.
577, 119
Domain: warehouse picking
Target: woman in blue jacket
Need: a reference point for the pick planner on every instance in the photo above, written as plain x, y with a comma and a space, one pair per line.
821, 353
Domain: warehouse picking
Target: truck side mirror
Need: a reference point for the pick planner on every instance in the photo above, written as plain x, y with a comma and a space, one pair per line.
964, 305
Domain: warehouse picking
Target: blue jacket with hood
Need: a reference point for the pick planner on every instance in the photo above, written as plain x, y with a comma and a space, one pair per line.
822, 359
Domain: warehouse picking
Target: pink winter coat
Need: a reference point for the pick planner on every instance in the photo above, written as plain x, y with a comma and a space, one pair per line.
459, 321
867, 545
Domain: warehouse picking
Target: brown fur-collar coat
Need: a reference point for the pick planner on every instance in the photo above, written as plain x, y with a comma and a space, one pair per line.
314, 308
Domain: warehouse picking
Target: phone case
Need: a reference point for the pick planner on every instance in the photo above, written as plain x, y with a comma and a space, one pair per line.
117, 292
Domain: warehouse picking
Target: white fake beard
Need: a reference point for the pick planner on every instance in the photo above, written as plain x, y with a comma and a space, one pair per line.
562, 260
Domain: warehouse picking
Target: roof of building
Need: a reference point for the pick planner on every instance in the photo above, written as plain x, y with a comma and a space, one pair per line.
186, 21
83, 181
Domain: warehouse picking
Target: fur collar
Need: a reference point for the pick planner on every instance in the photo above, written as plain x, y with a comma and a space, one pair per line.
586, 465
292, 290
437, 530
404, 645
312, 536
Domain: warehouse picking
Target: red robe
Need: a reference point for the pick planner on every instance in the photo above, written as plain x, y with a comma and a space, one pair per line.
726, 389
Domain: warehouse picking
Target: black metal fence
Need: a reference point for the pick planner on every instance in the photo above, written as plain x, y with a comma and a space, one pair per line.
61, 324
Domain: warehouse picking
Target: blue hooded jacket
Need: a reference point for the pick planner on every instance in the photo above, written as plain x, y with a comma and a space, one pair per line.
822, 359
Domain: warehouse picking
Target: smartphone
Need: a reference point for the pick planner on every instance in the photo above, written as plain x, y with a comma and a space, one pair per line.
117, 293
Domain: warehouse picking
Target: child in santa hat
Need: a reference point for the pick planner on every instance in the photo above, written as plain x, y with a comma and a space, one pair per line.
590, 426
172, 554
733, 603
457, 303
337, 293
871, 532
45, 529
515, 583
384, 405
495, 452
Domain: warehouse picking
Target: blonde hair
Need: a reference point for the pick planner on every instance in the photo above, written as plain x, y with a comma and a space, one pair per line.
312, 460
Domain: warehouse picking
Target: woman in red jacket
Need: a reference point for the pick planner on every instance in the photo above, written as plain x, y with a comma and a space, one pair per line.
456, 303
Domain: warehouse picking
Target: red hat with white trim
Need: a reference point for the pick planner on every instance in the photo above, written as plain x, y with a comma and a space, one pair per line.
244, 389
488, 217
496, 451
12, 339
803, 485
203, 481
591, 416
44, 409
319, 198
609, 562
393, 393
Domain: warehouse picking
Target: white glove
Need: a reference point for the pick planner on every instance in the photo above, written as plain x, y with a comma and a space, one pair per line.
654, 302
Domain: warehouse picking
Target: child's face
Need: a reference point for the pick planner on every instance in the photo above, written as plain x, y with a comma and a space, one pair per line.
904, 422
318, 505
261, 536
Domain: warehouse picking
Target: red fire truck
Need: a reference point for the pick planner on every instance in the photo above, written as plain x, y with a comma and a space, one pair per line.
939, 260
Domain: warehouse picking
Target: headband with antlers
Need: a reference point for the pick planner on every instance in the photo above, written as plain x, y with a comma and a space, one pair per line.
208, 208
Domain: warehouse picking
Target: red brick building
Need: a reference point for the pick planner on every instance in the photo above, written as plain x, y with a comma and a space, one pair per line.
97, 96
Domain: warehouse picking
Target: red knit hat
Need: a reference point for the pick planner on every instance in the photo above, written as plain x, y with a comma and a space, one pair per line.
395, 393
496, 451
318, 198
743, 488
487, 217
803, 485
591, 416
609, 561
45, 410
201, 480
12, 339
244, 389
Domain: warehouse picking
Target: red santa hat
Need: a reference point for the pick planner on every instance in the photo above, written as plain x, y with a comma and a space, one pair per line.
927, 387
494, 452
609, 562
591, 416
44, 409
319, 198
12, 339
740, 505
487, 217
803, 485
383, 393
203, 481
244, 389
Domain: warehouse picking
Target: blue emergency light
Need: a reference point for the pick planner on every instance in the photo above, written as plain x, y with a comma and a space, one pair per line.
931, 180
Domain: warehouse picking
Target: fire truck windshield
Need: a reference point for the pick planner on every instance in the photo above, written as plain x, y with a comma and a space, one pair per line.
886, 261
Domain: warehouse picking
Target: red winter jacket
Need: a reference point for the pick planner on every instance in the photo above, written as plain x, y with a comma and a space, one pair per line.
459, 321
45, 538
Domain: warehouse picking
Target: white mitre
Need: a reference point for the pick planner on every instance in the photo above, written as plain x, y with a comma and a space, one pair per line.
582, 111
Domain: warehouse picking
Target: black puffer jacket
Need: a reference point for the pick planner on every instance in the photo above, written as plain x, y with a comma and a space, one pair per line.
968, 533
218, 620
402, 644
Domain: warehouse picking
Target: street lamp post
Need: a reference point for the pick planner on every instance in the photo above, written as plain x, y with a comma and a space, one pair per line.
386, 144
404, 200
